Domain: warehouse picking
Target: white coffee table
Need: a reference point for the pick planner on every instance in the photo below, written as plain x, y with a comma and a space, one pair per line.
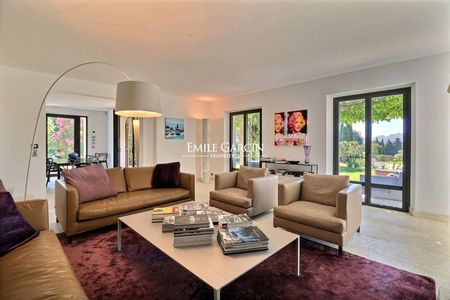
208, 262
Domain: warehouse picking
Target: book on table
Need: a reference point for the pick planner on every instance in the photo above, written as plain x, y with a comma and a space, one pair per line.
168, 224
242, 239
191, 221
191, 230
159, 213
226, 221
194, 206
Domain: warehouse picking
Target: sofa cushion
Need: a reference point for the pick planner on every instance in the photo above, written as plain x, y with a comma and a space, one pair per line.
117, 179
39, 270
138, 178
167, 175
246, 173
323, 188
91, 182
312, 214
14, 229
127, 202
233, 196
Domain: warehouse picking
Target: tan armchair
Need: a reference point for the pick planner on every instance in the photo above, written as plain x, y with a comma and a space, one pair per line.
248, 191
325, 207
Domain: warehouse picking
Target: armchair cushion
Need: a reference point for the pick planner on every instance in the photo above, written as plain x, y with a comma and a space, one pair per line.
233, 196
246, 173
225, 180
312, 214
323, 189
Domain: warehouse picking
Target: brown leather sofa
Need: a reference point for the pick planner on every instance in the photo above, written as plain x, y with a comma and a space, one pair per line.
326, 207
135, 194
247, 191
38, 269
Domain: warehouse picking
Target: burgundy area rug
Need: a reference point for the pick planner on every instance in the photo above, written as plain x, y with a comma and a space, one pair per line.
141, 271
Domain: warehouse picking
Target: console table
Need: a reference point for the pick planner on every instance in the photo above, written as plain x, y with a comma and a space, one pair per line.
291, 169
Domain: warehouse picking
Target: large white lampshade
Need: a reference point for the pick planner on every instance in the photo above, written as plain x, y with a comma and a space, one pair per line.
138, 99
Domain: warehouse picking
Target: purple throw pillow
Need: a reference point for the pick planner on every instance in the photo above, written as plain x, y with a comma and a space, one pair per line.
166, 175
91, 182
2, 187
14, 229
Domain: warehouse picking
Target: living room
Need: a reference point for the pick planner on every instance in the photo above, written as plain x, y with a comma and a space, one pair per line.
228, 71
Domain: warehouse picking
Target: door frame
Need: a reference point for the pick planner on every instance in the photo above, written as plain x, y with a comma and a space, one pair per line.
406, 186
245, 113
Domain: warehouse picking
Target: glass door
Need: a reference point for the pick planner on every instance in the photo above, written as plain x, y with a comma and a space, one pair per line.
372, 145
65, 135
245, 139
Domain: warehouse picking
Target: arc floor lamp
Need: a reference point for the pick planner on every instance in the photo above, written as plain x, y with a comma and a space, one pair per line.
133, 99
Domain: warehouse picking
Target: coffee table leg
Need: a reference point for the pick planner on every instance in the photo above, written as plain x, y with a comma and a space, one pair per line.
119, 235
298, 256
216, 294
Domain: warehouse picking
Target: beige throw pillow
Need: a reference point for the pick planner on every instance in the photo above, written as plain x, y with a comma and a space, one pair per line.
246, 173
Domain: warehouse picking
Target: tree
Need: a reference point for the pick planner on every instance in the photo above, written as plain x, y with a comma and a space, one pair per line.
352, 153
383, 109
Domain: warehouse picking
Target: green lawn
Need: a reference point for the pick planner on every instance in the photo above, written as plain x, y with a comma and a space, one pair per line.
354, 173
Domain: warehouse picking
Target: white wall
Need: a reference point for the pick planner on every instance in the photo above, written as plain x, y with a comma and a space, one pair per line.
97, 121
160, 150
21, 93
429, 78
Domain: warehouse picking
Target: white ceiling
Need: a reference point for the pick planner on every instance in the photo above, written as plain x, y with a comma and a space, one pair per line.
209, 50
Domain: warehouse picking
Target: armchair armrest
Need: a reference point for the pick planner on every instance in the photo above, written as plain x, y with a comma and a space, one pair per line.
289, 192
187, 181
263, 192
225, 180
35, 212
349, 206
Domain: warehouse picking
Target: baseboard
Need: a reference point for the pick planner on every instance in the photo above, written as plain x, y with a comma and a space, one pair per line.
428, 215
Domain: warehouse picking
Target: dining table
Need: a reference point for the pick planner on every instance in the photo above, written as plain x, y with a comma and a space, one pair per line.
66, 164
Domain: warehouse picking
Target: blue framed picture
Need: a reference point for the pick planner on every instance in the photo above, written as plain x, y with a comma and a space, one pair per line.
174, 129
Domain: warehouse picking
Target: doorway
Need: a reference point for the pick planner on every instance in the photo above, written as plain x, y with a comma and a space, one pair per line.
372, 145
245, 139
66, 134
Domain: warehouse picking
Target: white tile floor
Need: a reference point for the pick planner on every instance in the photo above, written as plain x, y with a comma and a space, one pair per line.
398, 239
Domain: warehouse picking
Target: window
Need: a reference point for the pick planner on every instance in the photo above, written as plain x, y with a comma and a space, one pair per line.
245, 139
66, 134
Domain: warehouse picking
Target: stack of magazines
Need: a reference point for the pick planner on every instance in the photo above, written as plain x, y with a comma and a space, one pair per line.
191, 230
193, 207
196, 208
242, 239
227, 221
159, 213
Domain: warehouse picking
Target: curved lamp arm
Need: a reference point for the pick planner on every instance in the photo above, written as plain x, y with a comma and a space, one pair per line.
43, 102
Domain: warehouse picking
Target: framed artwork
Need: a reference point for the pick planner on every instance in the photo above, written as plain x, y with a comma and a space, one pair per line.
174, 129
291, 128
279, 127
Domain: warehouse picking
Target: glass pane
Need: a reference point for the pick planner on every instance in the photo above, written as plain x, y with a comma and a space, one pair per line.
60, 138
352, 139
387, 140
253, 139
386, 197
237, 141
83, 137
